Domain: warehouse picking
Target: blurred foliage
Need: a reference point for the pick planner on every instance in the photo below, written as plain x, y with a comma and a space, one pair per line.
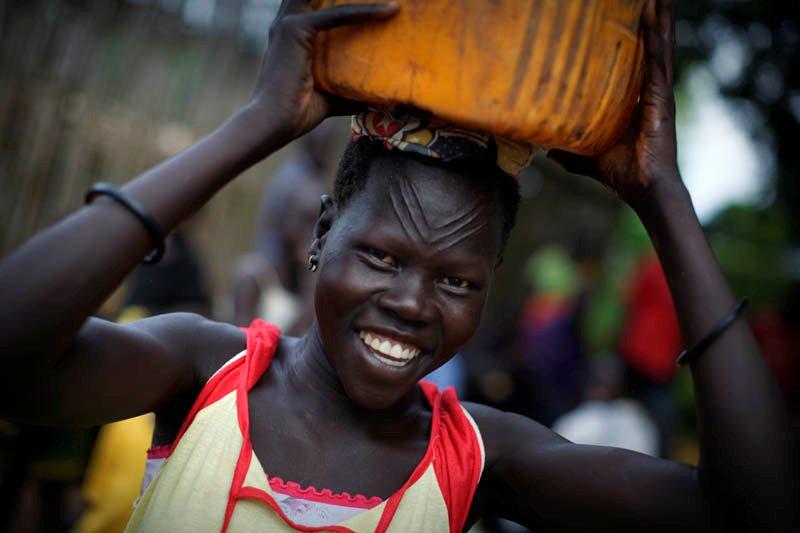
605, 310
753, 49
100, 90
750, 243
551, 271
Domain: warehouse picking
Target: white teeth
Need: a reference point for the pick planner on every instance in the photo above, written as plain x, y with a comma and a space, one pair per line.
385, 347
393, 350
397, 351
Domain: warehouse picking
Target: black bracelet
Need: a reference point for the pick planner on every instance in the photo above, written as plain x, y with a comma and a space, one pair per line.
153, 228
690, 354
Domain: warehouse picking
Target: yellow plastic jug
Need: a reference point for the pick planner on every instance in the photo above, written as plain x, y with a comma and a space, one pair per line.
557, 73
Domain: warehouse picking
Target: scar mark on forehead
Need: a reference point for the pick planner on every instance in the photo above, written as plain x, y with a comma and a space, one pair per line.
408, 207
401, 210
470, 224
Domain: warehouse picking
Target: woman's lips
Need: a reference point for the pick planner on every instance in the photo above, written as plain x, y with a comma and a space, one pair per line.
389, 351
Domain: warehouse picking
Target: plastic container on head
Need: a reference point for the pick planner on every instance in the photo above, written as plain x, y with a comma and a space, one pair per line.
557, 73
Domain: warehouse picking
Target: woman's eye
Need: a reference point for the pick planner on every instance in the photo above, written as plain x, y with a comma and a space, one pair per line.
382, 256
456, 282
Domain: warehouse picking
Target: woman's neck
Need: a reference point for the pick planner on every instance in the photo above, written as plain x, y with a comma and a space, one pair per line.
311, 376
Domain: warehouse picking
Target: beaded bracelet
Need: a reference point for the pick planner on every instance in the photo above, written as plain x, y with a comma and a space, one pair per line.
154, 229
691, 354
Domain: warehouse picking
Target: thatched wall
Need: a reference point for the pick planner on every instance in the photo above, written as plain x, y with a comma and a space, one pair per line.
93, 94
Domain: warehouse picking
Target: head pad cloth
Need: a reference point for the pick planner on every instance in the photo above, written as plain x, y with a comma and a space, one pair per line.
435, 138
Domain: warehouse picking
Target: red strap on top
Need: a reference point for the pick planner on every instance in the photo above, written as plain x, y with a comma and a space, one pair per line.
262, 342
457, 456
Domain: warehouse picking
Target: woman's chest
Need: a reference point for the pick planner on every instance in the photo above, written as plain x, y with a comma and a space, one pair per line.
330, 452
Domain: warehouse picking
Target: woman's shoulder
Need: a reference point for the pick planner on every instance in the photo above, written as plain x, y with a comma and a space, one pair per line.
502, 432
206, 344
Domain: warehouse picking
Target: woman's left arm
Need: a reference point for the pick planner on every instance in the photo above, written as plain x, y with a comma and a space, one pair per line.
748, 465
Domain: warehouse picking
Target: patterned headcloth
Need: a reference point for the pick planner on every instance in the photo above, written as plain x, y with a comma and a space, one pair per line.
435, 138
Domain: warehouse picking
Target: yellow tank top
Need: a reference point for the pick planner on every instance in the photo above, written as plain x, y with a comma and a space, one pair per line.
212, 481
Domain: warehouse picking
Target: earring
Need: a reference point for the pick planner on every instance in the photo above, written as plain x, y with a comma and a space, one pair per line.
312, 263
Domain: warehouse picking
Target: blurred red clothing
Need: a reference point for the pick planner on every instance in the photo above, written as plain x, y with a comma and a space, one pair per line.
651, 338
780, 343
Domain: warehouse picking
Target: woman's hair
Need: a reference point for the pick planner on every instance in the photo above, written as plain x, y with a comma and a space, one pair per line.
354, 167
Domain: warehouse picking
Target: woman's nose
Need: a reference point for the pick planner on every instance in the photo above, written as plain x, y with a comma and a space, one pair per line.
409, 298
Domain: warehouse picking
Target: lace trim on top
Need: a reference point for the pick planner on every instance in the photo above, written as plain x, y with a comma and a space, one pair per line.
290, 488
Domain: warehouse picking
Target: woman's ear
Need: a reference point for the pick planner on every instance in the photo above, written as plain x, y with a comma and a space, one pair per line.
327, 215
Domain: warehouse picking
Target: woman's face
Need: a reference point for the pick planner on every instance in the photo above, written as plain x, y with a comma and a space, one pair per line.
405, 269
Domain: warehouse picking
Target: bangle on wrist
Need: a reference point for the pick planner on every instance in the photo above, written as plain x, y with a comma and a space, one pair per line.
691, 354
154, 229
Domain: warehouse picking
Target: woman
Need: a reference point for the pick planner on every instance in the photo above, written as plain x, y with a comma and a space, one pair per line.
336, 410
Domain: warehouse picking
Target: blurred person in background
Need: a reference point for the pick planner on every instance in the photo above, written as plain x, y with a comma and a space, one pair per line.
547, 342
176, 284
451, 374
273, 281
649, 341
40, 478
777, 330
606, 417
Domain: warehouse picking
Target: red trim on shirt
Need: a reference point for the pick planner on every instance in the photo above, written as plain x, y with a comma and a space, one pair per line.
431, 394
344, 499
253, 493
158, 452
220, 385
262, 343
457, 459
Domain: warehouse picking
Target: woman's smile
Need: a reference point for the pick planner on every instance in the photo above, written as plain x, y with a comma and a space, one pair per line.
373, 354
389, 351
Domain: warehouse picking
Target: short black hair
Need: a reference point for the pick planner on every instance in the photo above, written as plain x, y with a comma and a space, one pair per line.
354, 167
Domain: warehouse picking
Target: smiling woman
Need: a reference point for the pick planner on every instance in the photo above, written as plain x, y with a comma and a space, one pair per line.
334, 431
406, 248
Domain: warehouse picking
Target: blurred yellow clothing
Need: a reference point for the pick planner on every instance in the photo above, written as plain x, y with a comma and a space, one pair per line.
115, 473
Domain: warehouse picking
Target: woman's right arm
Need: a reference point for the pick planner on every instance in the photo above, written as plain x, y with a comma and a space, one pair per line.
60, 367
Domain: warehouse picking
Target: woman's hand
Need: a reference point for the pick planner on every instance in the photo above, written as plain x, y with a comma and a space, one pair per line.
646, 153
285, 90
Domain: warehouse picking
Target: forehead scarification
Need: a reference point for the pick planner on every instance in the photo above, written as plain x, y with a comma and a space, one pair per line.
407, 204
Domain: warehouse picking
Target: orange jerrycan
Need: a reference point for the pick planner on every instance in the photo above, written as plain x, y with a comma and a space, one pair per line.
556, 73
